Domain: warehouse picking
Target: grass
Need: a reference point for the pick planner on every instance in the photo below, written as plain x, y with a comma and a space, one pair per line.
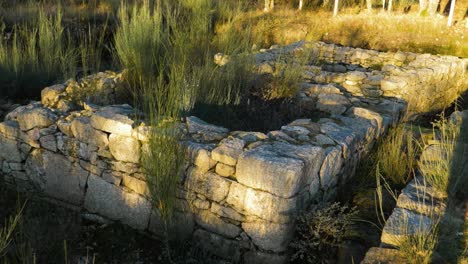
443, 166
379, 31
396, 155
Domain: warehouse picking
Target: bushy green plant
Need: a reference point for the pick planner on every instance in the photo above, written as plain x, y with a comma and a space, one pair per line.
320, 231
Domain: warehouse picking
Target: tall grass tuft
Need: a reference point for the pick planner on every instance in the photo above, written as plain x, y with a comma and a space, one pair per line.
396, 155
442, 166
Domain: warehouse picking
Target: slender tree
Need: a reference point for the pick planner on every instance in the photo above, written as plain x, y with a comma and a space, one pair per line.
269, 5
335, 8
301, 3
452, 10
383, 5
369, 5
390, 5
422, 6
432, 8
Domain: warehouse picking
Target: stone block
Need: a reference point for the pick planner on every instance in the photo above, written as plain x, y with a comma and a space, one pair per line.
56, 176
83, 131
207, 184
114, 203
125, 148
228, 151
36, 117
215, 224
114, 119
270, 236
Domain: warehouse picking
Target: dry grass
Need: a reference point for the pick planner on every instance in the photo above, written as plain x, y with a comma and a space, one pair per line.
379, 31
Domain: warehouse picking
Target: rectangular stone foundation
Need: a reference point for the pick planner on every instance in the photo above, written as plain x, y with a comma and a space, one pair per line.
240, 192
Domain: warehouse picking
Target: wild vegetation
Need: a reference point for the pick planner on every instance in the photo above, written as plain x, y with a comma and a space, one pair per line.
167, 47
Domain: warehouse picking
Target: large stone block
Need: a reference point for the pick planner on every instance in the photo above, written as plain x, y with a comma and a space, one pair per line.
114, 119
206, 131
270, 236
125, 148
200, 155
10, 129
228, 151
84, 132
333, 103
208, 184
331, 166
9, 149
36, 117
50, 95
218, 245
113, 202
402, 224
215, 224
266, 170
56, 176
262, 204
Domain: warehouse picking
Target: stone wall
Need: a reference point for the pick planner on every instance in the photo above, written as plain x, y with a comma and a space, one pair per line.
420, 207
240, 191
426, 82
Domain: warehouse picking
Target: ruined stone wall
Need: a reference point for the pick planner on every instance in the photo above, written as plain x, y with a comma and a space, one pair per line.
426, 82
240, 191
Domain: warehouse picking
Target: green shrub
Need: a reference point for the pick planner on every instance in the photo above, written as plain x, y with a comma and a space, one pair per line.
320, 231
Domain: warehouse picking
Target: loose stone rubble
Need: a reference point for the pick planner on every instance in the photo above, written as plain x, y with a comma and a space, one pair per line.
240, 191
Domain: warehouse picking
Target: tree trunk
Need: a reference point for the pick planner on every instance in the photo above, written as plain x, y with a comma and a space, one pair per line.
383, 5
452, 10
335, 9
272, 4
432, 8
422, 6
369, 5
269, 4
390, 5
301, 3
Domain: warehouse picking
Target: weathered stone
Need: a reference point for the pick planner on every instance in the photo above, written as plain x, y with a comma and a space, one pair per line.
114, 119
9, 129
331, 167
218, 245
270, 236
207, 131
112, 202
56, 176
64, 127
82, 130
215, 224
50, 95
268, 171
226, 212
201, 204
138, 186
295, 131
355, 76
402, 224
112, 177
208, 184
342, 135
333, 103
66, 106
9, 150
125, 148
323, 140
418, 196
307, 123
200, 155
261, 204
228, 151
48, 142
225, 170
36, 117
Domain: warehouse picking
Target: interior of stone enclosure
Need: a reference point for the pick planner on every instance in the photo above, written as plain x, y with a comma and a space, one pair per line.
240, 190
